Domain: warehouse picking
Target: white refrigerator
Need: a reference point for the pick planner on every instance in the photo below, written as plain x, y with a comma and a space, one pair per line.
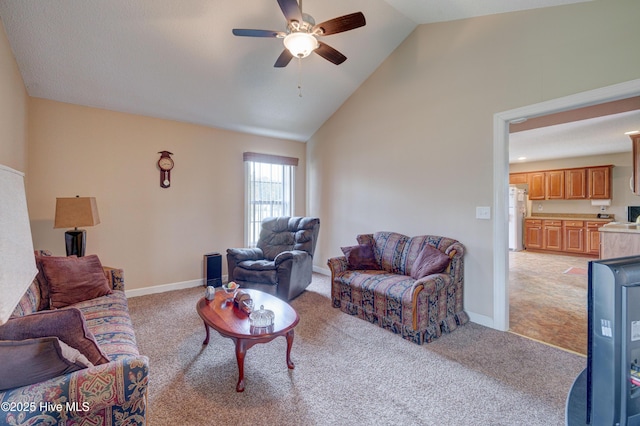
517, 212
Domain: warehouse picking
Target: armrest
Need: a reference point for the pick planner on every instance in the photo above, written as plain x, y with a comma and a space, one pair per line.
124, 383
115, 276
433, 283
337, 265
242, 254
294, 255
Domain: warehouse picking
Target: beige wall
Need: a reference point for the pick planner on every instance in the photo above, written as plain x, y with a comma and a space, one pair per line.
157, 235
412, 150
620, 174
13, 109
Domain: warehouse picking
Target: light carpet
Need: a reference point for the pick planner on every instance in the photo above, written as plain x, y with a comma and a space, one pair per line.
347, 371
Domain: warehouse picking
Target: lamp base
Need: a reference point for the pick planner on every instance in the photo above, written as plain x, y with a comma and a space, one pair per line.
75, 241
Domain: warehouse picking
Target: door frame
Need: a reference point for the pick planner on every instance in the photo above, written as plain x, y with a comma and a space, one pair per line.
501, 122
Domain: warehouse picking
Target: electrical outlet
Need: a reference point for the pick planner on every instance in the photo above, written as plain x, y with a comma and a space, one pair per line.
483, 212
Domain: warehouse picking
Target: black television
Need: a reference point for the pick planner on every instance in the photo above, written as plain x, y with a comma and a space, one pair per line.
608, 391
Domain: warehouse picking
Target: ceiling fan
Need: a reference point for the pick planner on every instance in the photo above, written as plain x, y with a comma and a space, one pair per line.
301, 35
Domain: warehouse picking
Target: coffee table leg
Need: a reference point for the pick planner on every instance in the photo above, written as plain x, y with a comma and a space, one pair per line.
289, 345
241, 350
206, 339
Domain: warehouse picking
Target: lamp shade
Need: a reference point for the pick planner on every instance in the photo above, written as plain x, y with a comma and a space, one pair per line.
76, 211
17, 262
300, 44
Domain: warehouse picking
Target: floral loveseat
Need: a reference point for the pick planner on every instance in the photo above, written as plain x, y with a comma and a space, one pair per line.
103, 382
410, 286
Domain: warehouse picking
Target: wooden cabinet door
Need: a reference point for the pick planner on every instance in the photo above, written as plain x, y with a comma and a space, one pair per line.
593, 238
536, 186
599, 179
574, 236
533, 233
576, 184
635, 144
552, 230
517, 178
555, 185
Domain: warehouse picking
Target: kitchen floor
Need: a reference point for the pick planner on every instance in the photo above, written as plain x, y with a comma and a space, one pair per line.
547, 304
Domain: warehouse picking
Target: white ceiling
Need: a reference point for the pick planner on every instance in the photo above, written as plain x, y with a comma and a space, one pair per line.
595, 136
177, 59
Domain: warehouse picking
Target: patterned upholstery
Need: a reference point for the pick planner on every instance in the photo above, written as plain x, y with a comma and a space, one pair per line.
419, 310
114, 393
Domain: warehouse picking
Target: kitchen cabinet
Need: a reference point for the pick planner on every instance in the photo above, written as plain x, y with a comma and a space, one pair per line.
576, 184
552, 231
580, 183
593, 238
533, 233
574, 233
599, 179
554, 184
635, 181
537, 190
518, 178
570, 236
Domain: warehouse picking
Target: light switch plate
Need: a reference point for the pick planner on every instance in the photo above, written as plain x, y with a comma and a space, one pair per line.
483, 212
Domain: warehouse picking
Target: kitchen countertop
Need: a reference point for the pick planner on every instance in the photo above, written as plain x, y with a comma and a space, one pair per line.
571, 216
624, 227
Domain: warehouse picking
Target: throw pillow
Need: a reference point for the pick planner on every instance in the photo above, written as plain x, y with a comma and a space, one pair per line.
66, 324
74, 279
24, 362
360, 257
41, 280
429, 261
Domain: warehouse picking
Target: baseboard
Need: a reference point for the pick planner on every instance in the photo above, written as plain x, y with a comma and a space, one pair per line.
323, 271
480, 319
163, 288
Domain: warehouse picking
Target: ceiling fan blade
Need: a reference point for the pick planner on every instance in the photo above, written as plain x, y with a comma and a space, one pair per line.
341, 24
330, 54
257, 33
291, 10
284, 59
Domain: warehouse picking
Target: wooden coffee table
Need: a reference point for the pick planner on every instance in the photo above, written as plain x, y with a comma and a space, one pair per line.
223, 316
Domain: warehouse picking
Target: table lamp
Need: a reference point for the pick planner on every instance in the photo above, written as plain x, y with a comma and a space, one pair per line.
72, 213
17, 261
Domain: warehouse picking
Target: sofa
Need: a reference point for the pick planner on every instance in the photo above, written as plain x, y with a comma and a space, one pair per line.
412, 286
282, 262
82, 354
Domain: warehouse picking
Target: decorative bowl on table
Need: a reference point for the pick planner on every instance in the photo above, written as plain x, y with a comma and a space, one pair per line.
230, 288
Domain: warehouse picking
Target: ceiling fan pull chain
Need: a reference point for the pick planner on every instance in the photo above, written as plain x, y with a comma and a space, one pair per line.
300, 77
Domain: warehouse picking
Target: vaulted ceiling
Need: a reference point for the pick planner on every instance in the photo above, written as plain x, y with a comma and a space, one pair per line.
178, 59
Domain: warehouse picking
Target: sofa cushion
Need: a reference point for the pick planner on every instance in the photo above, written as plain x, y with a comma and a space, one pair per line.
66, 324
24, 362
360, 257
107, 317
429, 261
74, 279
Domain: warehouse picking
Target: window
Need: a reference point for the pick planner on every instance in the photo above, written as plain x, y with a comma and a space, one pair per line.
269, 190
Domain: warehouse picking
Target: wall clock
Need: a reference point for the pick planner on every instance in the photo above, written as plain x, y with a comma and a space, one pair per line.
165, 163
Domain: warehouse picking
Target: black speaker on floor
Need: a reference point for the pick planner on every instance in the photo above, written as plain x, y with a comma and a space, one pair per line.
213, 269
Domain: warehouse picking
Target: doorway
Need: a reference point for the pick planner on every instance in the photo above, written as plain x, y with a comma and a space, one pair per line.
501, 178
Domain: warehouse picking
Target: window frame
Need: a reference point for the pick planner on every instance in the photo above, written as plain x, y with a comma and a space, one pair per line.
285, 167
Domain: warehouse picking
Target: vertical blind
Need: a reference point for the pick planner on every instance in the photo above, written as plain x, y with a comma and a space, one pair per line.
269, 190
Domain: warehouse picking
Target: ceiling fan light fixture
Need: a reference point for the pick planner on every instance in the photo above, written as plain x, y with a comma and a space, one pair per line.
300, 44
